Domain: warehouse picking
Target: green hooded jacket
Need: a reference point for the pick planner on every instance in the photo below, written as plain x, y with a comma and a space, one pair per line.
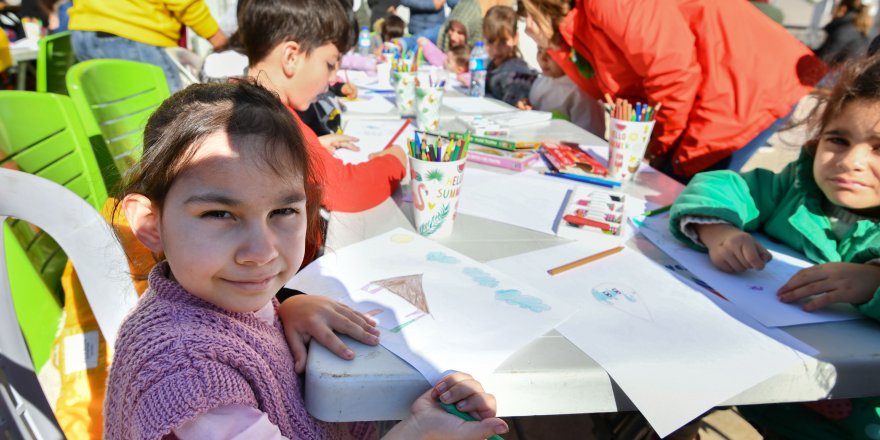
787, 207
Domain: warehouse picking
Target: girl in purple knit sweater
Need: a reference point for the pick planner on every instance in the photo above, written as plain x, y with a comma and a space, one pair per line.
226, 192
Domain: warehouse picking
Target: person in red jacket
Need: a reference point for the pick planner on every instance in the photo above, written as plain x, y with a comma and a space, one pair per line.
293, 49
724, 73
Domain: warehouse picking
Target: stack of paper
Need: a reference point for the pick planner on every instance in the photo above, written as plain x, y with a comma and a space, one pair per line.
438, 310
672, 351
754, 292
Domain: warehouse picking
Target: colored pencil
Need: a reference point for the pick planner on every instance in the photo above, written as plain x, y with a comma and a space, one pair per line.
584, 179
657, 211
577, 263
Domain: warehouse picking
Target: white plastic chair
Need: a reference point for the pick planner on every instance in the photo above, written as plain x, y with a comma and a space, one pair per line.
102, 268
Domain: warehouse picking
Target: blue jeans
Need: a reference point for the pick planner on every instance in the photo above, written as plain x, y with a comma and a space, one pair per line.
738, 158
89, 45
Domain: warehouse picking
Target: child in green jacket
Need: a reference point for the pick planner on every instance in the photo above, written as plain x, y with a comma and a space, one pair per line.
826, 205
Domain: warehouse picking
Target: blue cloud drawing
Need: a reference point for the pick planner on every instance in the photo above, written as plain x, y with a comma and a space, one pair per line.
480, 277
516, 298
440, 257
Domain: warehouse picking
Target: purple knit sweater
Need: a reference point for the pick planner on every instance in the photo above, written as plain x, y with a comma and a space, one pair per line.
178, 356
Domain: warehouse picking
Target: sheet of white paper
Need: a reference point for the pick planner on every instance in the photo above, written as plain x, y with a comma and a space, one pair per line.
373, 136
437, 309
699, 285
754, 292
673, 352
368, 104
528, 201
363, 81
475, 105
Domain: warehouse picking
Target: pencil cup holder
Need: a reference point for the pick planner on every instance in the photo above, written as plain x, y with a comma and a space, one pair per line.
435, 190
627, 144
405, 93
428, 100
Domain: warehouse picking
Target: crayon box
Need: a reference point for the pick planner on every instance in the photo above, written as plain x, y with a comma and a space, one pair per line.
512, 160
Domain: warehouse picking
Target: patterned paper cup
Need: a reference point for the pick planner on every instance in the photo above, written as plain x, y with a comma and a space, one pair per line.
405, 93
435, 190
428, 101
627, 145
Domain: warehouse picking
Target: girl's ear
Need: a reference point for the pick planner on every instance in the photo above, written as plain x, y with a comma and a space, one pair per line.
513, 41
143, 218
290, 54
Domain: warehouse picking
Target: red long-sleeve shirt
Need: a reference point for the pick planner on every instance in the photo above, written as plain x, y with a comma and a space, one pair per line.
352, 187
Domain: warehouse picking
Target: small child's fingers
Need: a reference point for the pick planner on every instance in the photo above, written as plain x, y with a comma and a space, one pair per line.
805, 291
329, 339
822, 300
461, 390
719, 260
733, 262
482, 429
356, 326
298, 349
751, 256
480, 405
802, 278
348, 146
763, 253
450, 381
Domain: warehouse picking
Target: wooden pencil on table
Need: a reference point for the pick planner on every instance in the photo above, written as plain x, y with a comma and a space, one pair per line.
585, 260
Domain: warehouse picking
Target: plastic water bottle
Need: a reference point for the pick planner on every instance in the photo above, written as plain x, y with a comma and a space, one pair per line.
477, 66
364, 41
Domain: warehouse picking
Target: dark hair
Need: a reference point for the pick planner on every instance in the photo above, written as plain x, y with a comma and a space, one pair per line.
499, 23
460, 56
861, 15
265, 24
547, 14
859, 81
392, 27
254, 119
464, 29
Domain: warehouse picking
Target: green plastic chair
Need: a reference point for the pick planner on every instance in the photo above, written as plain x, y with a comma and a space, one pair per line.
41, 134
119, 96
53, 60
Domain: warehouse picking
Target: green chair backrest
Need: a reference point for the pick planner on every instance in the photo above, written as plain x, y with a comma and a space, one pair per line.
53, 60
41, 134
119, 95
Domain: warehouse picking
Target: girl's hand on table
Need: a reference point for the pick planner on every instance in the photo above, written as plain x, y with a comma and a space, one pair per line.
830, 283
732, 250
305, 317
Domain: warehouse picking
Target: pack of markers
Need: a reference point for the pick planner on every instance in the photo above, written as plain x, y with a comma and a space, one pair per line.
566, 157
591, 210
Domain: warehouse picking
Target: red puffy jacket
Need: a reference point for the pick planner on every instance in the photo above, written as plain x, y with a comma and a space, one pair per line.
722, 70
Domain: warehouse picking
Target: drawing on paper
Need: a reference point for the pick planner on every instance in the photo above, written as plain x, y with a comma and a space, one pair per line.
623, 298
402, 238
440, 257
409, 288
516, 298
480, 277
758, 288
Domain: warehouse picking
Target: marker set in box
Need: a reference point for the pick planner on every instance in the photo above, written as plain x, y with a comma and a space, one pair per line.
594, 210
